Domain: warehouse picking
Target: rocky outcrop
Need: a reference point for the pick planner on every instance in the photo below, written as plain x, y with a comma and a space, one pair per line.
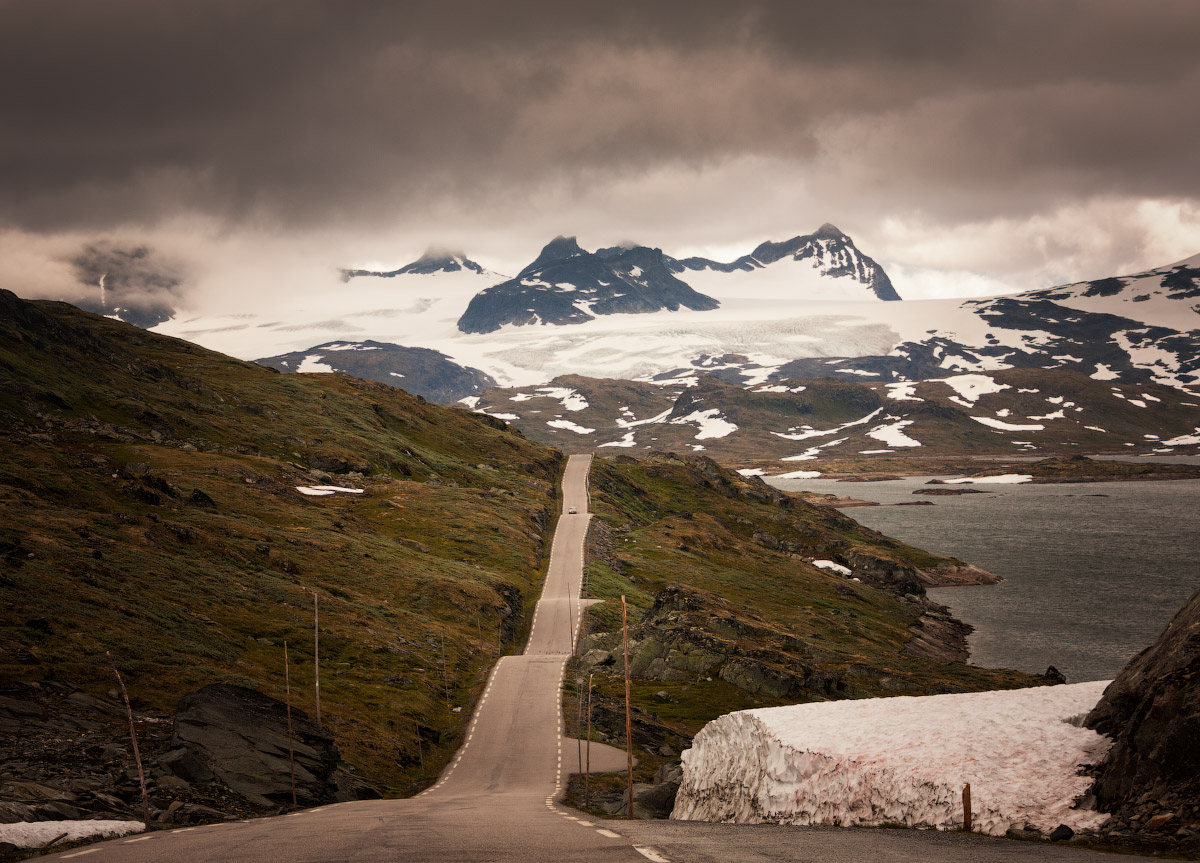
239, 736
1150, 781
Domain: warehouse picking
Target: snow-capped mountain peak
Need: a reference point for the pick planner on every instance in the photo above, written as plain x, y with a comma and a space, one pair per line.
436, 259
824, 265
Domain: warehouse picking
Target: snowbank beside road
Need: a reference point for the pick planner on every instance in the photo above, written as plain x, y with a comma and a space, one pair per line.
899, 760
26, 834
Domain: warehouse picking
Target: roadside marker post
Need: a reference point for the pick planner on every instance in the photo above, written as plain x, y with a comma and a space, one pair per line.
137, 756
628, 718
968, 817
287, 690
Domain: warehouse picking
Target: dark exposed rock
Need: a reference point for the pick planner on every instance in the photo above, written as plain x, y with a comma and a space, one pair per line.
1152, 711
1061, 833
240, 736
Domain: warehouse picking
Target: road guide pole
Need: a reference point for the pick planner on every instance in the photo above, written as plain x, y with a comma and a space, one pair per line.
137, 756
317, 656
587, 789
287, 690
628, 719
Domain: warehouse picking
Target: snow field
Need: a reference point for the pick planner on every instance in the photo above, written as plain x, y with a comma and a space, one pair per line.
35, 834
900, 760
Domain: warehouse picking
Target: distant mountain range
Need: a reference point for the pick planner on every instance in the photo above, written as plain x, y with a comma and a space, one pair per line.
808, 309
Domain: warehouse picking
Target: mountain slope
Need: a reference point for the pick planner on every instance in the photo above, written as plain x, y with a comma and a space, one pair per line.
566, 285
435, 259
420, 371
1010, 412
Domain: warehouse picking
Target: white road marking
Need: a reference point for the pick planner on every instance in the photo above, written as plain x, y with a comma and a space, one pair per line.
139, 839
79, 853
609, 834
650, 854
186, 829
583, 823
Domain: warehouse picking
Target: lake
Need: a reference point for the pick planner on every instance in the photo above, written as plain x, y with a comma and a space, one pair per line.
1094, 571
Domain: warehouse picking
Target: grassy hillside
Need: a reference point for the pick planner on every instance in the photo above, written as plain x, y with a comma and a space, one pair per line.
727, 610
151, 509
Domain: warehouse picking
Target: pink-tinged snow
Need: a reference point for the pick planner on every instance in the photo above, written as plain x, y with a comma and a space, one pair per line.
900, 760
971, 387
312, 363
570, 399
1184, 440
833, 566
808, 432
569, 426
1003, 426
322, 490
999, 479
710, 422
35, 834
893, 434
903, 392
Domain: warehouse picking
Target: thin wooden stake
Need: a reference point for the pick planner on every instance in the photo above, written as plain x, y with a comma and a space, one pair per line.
317, 656
587, 774
967, 816
420, 747
579, 725
287, 690
628, 718
137, 755
445, 679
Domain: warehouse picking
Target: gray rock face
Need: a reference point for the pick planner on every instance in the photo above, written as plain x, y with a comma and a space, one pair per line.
240, 736
1152, 711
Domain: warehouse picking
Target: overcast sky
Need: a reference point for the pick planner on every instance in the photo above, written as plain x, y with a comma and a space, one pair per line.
970, 147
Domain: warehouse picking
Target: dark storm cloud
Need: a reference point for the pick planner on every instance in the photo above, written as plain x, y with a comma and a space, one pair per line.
135, 282
307, 112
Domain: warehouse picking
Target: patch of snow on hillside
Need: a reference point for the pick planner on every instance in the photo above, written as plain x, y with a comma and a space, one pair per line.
808, 455
832, 566
874, 451
811, 433
569, 426
312, 363
626, 441
1095, 429
711, 423
893, 434
628, 424
570, 399
1104, 373
1184, 440
1055, 415
903, 392
520, 397
868, 762
322, 490
469, 401
752, 471
505, 417
35, 834
999, 479
971, 387
798, 474
1003, 426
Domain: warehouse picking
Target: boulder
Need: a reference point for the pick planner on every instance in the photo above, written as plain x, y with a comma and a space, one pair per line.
1152, 712
240, 737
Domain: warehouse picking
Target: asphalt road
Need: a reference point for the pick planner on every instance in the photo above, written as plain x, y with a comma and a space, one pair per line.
495, 801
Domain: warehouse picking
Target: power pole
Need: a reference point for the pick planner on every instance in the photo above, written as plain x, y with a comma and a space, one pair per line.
317, 656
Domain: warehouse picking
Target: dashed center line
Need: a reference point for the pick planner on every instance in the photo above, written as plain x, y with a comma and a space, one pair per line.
139, 839
79, 853
650, 854
608, 833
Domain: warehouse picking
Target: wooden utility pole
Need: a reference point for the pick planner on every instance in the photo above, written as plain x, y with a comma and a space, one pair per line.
287, 694
137, 755
317, 656
628, 718
967, 815
587, 774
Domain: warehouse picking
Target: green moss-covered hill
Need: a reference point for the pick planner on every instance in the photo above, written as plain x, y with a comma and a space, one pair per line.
150, 509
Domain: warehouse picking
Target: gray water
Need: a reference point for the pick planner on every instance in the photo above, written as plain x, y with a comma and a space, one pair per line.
1093, 571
